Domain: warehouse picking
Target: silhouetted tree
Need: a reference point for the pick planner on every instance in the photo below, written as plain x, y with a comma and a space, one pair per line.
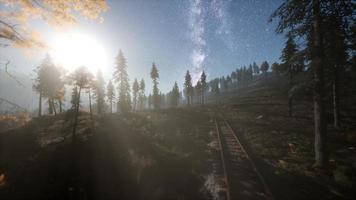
276, 68
99, 92
264, 68
49, 83
239, 77
307, 19
135, 90
215, 88
110, 94
38, 85
80, 79
174, 95
188, 88
335, 39
155, 76
199, 92
289, 53
142, 96
256, 69
122, 79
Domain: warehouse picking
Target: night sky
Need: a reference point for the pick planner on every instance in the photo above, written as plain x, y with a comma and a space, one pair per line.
216, 36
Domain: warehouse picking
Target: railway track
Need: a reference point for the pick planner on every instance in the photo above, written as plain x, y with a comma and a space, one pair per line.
241, 176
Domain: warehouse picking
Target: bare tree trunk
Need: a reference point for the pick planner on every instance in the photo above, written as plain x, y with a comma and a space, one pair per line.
40, 105
320, 145
336, 105
60, 106
111, 106
76, 115
54, 107
50, 107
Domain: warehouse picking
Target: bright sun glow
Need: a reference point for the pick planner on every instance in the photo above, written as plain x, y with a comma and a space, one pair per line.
72, 50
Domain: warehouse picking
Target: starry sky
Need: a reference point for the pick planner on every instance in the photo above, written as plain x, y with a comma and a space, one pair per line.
217, 36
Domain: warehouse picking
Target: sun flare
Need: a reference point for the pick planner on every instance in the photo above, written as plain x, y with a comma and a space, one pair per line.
72, 50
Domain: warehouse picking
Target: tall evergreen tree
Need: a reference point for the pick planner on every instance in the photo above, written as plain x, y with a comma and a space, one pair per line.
256, 69
121, 77
215, 88
239, 77
39, 84
174, 96
264, 68
155, 96
307, 19
49, 84
142, 94
188, 86
276, 68
336, 51
288, 56
99, 92
110, 94
199, 92
250, 73
135, 90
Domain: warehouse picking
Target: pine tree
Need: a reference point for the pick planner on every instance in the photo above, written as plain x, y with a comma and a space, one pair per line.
155, 96
142, 94
135, 90
49, 84
256, 69
122, 79
215, 88
336, 51
250, 73
174, 95
38, 85
99, 92
306, 19
288, 56
110, 94
188, 88
276, 68
150, 101
239, 77
199, 92
80, 79
264, 68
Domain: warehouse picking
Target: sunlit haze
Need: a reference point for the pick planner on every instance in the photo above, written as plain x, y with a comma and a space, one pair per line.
177, 99
74, 49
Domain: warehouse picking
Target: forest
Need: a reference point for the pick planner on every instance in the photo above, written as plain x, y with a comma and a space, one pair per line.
88, 124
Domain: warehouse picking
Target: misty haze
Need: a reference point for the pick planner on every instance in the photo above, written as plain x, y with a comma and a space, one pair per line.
177, 99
